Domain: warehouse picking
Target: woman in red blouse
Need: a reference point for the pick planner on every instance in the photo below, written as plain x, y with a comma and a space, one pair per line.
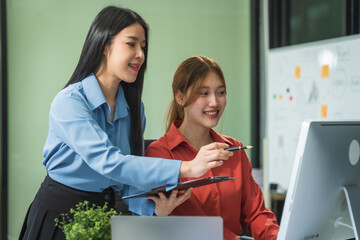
199, 101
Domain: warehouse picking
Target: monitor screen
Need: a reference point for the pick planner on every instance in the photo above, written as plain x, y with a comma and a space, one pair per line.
323, 197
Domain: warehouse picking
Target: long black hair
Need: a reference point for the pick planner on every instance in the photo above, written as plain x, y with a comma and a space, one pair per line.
106, 25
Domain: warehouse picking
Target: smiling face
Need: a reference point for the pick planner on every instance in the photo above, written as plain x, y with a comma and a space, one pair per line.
125, 55
206, 110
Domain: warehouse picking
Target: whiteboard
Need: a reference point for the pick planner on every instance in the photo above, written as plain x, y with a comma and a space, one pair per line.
319, 81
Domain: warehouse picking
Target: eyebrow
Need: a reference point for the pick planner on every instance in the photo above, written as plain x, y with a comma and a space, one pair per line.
135, 38
222, 86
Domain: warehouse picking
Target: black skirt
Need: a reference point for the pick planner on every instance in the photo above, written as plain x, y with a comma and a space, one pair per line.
51, 200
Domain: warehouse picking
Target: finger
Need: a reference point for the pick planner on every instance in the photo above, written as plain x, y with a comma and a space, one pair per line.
180, 201
218, 155
173, 194
225, 156
152, 197
188, 192
219, 145
184, 196
216, 163
155, 199
215, 145
162, 195
226, 153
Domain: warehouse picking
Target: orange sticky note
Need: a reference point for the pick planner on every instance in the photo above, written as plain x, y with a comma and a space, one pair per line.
325, 71
324, 110
297, 72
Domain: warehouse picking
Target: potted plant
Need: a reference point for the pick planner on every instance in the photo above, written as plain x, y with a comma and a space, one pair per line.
86, 222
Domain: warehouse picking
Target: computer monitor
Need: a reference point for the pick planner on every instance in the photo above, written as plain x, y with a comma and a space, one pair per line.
323, 197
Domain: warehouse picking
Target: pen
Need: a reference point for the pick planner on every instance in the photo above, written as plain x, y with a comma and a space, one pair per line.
238, 148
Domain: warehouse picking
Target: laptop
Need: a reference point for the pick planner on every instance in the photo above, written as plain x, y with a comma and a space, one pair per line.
169, 227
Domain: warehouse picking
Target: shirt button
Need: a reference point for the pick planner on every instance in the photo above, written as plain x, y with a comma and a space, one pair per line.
110, 135
107, 197
216, 193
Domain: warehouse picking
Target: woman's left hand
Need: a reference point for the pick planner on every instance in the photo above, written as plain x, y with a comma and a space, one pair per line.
164, 205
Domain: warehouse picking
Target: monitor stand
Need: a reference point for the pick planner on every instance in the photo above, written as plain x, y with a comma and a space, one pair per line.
352, 195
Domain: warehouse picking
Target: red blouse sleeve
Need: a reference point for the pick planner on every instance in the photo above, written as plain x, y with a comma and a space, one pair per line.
259, 220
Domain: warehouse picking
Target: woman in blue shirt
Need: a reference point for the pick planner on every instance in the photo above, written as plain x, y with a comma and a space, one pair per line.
95, 144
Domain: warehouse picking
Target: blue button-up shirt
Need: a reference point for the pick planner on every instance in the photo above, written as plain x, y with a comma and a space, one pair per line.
85, 150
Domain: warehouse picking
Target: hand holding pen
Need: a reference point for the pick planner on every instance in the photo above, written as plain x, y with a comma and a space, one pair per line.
208, 156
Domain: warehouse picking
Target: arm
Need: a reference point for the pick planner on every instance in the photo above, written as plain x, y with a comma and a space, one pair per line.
259, 220
209, 156
73, 122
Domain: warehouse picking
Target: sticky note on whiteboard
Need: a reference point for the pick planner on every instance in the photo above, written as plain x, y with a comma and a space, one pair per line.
323, 110
325, 71
297, 72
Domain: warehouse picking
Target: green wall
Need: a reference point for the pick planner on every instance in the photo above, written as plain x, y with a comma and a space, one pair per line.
45, 38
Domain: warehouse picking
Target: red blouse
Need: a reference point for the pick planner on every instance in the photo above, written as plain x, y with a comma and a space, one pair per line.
238, 202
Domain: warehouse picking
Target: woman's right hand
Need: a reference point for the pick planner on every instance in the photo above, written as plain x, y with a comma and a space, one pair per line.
209, 156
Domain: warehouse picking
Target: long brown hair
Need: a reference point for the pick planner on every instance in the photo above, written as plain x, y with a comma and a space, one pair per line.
191, 73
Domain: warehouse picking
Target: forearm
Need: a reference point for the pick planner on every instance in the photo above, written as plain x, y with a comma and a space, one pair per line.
185, 169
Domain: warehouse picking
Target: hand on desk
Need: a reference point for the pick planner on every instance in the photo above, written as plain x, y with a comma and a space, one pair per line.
164, 205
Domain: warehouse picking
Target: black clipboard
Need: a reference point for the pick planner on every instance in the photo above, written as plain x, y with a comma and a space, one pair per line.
182, 186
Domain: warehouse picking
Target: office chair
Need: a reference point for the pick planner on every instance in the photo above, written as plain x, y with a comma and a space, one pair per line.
148, 141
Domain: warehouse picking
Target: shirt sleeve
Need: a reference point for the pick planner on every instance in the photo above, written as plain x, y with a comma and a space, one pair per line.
72, 120
138, 206
259, 220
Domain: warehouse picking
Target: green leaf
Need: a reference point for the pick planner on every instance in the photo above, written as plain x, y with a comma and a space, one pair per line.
86, 222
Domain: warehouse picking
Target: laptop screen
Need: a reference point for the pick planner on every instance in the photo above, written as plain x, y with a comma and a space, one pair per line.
169, 227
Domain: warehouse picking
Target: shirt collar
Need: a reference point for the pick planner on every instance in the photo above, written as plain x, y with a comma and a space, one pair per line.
96, 97
93, 91
175, 138
122, 108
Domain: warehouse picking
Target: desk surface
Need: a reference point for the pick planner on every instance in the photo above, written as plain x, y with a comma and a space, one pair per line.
275, 196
